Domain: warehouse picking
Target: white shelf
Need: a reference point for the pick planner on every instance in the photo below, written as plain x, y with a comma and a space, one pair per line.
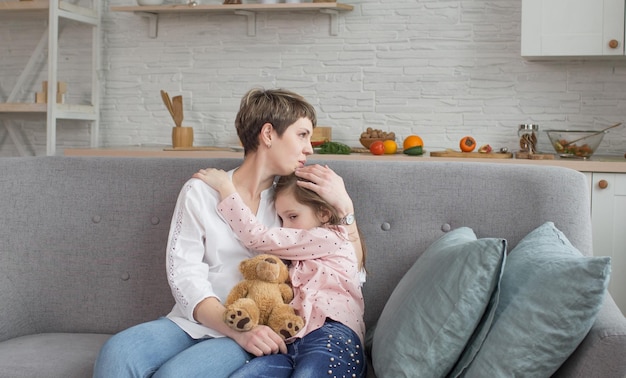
247, 10
54, 11
66, 10
64, 111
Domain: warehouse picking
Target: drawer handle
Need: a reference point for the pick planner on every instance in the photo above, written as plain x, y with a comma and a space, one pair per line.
613, 43
603, 184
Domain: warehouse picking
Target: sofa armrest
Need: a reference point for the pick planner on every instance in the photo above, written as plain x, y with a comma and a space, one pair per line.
601, 353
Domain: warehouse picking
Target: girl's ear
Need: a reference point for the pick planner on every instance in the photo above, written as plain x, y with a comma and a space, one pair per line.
266, 134
324, 215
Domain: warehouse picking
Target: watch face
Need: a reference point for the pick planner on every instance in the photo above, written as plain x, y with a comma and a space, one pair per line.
349, 219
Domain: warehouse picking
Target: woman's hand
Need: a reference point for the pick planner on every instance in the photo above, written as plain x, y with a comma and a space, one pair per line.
217, 179
329, 185
259, 341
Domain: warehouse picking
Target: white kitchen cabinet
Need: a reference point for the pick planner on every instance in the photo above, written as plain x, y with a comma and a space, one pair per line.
576, 28
608, 216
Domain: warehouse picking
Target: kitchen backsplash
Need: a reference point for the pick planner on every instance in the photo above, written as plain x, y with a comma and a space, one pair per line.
439, 69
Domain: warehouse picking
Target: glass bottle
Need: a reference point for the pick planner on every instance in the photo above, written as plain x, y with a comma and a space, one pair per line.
528, 137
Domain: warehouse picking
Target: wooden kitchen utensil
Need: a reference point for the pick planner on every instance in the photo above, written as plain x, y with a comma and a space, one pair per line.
167, 102
177, 106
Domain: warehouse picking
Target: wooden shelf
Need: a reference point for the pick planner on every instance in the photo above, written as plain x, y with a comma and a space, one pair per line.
16, 5
66, 9
64, 111
176, 8
614, 164
247, 10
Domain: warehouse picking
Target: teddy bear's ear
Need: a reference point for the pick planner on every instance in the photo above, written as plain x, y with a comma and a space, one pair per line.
245, 265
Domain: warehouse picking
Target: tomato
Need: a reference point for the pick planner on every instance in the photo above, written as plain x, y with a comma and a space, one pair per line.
467, 144
377, 148
390, 146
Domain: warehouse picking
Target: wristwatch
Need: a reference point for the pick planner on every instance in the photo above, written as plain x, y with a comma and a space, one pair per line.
348, 219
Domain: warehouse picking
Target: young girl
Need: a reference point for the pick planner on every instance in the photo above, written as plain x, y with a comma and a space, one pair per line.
324, 271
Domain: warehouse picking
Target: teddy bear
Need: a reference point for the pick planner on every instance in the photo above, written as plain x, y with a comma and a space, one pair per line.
263, 297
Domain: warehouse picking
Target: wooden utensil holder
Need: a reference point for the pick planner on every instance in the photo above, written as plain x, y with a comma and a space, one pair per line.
182, 136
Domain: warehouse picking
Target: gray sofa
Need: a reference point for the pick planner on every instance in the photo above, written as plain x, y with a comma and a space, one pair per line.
82, 244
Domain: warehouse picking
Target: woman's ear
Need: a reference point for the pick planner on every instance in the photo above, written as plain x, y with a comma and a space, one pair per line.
266, 134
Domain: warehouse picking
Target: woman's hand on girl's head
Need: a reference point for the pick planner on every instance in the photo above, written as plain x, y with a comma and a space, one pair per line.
328, 184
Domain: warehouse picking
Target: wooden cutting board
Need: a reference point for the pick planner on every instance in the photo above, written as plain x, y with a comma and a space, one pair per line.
207, 148
473, 155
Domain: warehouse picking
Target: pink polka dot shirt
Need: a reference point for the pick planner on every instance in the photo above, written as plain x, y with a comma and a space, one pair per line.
324, 269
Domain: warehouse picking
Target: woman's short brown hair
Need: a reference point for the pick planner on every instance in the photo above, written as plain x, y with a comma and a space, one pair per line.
279, 107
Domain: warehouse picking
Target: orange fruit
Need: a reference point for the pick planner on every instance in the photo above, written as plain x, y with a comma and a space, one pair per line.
412, 141
390, 146
467, 144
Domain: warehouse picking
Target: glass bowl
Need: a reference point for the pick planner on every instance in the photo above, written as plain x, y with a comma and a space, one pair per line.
575, 143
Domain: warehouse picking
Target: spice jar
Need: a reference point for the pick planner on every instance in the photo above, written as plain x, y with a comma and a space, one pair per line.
528, 137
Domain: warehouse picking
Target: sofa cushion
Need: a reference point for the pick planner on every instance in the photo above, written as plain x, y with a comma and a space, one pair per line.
435, 307
67, 355
550, 295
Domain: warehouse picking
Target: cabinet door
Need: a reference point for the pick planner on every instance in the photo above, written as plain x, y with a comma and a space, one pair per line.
608, 215
572, 27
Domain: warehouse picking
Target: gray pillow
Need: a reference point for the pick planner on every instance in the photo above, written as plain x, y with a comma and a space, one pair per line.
550, 295
436, 306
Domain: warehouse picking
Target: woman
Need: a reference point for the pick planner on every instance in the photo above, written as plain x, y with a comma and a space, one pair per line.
203, 254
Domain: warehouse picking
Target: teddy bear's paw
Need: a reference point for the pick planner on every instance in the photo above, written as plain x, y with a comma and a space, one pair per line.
238, 319
290, 327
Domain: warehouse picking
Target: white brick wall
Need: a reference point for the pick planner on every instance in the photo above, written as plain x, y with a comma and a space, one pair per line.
440, 69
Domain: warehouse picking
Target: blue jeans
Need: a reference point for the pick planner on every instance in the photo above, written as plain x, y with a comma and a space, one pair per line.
331, 351
160, 349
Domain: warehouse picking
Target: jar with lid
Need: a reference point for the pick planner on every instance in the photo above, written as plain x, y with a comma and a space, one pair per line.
528, 137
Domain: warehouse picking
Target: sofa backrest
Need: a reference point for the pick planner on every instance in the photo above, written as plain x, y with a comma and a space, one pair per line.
82, 240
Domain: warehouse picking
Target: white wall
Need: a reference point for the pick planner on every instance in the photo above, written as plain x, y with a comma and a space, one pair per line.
440, 69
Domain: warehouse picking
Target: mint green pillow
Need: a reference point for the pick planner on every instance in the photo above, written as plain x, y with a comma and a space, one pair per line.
549, 298
435, 307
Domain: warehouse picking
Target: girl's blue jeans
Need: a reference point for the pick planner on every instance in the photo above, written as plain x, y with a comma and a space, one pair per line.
160, 349
331, 351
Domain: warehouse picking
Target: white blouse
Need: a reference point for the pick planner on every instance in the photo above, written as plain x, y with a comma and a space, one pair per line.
203, 253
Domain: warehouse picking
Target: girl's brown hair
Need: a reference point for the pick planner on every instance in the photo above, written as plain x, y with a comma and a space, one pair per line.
279, 107
309, 198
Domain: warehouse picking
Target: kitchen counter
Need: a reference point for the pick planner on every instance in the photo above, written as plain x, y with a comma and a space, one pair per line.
599, 163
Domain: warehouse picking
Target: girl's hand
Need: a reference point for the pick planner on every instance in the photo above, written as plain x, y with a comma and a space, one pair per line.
217, 179
329, 185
